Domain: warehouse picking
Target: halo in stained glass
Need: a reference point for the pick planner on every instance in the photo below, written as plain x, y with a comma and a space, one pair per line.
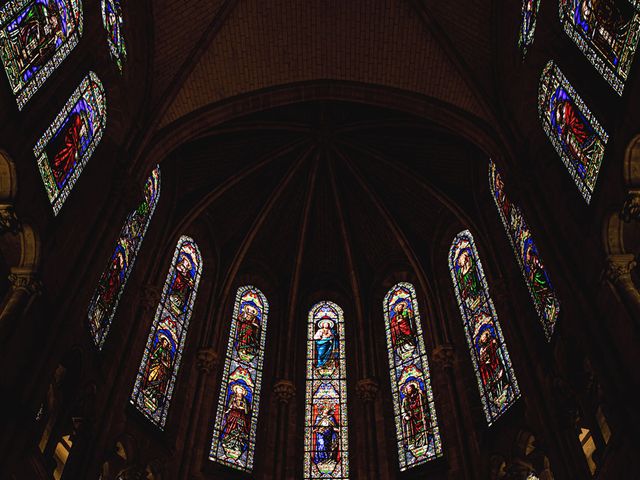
416, 423
573, 130
36, 36
326, 443
494, 374
67, 145
234, 431
112, 282
606, 32
160, 363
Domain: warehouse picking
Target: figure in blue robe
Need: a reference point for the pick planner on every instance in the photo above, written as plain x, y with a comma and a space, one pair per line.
326, 343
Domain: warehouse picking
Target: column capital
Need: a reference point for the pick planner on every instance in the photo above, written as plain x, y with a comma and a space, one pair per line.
149, 297
25, 280
367, 389
619, 266
206, 359
284, 390
631, 208
444, 356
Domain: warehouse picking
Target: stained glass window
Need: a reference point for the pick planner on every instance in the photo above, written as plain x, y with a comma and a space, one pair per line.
528, 26
114, 277
535, 274
326, 444
607, 33
234, 432
113, 23
415, 414
573, 130
68, 143
161, 359
35, 37
496, 380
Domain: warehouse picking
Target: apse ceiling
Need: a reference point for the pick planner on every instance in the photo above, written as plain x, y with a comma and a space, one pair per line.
331, 187
208, 52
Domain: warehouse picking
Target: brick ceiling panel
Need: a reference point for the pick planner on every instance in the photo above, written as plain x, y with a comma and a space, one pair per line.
264, 44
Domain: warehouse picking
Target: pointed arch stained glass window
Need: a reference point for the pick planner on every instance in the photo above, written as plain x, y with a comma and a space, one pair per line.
573, 130
114, 277
35, 37
533, 270
113, 24
528, 25
415, 414
68, 143
326, 444
234, 432
607, 32
496, 380
162, 355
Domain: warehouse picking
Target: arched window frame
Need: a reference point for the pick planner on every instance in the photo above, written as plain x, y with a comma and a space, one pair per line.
408, 364
10, 13
167, 321
333, 384
102, 310
113, 23
528, 20
471, 313
615, 75
526, 253
242, 370
91, 93
554, 88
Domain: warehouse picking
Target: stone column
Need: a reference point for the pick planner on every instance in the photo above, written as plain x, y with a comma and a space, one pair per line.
618, 273
207, 361
444, 358
24, 287
367, 390
284, 392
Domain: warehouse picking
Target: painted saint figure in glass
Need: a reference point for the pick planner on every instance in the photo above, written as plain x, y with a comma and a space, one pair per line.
528, 25
113, 24
417, 429
325, 438
35, 37
113, 279
66, 146
234, 431
494, 373
161, 360
607, 32
573, 130
535, 274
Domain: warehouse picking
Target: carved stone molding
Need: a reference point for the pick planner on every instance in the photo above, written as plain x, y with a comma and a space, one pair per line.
206, 360
367, 389
619, 266
9, 222
631, 209
149, 297
444, 356
284, 390
26, 281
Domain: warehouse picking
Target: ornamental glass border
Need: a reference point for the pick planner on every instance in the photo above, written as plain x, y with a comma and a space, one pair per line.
408, 364
101, 313
24, 91
528, 20
243, 372
524, 247
113, 23
480, 317
325, 392
92, 91
552, 83
165, 317
615, 75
